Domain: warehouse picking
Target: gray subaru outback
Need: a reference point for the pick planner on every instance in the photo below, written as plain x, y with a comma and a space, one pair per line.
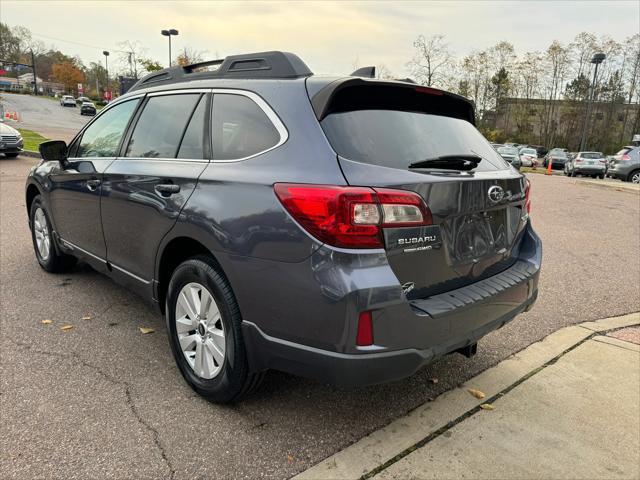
349, 230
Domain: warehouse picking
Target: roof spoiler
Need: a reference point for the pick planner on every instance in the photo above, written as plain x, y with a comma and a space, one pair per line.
365, 72
274, 64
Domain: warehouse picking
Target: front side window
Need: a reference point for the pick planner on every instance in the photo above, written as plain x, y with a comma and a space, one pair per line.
240, 128
160, 127
102, 137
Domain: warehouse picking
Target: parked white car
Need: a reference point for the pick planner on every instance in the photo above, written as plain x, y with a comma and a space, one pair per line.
68, 101
11, 142
528, 157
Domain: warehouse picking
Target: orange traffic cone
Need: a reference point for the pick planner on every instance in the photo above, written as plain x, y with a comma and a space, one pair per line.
548, 172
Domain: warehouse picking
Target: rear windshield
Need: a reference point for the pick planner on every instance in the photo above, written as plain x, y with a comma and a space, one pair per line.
528, 151
558, 153
623, 151
508, 150
394, 138
592, 155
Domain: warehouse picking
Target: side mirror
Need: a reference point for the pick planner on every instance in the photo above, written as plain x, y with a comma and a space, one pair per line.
54, 150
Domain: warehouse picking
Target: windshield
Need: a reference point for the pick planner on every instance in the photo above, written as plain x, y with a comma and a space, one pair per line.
508, 150
558, 153
393, 138
591, 155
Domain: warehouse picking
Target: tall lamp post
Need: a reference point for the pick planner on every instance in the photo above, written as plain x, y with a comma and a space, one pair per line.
106, 63
169, 33
597, 59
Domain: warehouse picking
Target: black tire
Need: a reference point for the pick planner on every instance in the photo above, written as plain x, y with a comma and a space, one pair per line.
11, 155
234, 379
601, 176
56, 262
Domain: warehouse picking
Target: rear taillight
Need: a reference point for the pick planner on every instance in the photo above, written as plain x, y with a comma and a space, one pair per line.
351, 217
602, 160
578, 160
527, 196
625, 158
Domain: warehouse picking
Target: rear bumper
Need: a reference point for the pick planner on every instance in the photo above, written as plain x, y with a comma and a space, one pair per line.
591, 169
442, 324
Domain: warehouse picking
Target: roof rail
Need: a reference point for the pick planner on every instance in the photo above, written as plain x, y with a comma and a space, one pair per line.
277, 65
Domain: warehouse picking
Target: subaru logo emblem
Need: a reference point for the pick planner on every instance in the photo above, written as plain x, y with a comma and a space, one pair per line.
496, 194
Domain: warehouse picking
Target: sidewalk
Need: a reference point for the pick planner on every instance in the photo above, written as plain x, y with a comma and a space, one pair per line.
565, 407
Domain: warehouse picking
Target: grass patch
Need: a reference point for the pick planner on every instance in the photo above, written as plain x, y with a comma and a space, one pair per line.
32, 140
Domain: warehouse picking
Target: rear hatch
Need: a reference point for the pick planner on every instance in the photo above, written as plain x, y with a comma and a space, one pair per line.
379, 131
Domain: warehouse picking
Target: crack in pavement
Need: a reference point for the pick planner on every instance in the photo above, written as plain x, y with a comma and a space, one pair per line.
127, 391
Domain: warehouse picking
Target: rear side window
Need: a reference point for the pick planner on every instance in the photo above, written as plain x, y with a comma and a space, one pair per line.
240, 128
592, 155
193, 140
160, 127
396, 138
102, 137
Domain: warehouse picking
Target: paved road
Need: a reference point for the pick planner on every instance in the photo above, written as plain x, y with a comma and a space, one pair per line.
103, 400
44, 116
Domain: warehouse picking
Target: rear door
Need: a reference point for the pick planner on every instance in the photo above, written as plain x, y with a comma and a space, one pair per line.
145, 189
478, 215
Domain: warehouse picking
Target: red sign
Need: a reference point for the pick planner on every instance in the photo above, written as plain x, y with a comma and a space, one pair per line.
107, 95
2, 71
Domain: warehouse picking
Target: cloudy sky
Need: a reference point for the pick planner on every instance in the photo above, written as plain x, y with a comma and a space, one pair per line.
329, 36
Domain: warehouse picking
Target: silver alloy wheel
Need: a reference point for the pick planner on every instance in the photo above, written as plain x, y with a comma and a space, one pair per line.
41, 230
200, 330
635, 178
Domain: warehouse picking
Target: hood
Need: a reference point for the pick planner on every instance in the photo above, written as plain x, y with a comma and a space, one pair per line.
7, 130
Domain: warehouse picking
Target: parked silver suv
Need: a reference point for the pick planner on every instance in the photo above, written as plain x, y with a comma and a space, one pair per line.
626, 165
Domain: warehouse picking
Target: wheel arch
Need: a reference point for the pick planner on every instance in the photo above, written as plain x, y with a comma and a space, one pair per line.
32, 192
631, 173
173, 253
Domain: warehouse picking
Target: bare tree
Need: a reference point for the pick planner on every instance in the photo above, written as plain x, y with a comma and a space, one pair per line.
432, 61
130, 55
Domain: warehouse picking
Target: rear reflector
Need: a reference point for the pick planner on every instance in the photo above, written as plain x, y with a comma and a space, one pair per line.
351, 217
364, 336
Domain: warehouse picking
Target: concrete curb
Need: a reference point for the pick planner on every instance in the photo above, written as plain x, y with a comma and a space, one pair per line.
29, 153
403, 434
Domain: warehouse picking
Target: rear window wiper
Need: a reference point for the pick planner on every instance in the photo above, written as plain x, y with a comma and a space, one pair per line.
449, 162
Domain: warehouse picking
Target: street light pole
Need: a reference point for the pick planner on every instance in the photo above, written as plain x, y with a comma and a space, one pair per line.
35, 74
106, 63
597, 59
169, 33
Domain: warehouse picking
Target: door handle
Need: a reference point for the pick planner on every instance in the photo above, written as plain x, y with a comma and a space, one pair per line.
167, 189
92, 185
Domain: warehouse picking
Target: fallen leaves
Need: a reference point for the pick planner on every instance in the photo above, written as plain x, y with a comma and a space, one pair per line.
47, 322
476, 393
87, 317
290, 458
66, 327
433, 380
146, 330
487, 406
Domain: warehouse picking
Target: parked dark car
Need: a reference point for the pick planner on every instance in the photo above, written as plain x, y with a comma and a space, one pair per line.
557, 157
285, 221
542, 151
626, 165
87, 108
586, 163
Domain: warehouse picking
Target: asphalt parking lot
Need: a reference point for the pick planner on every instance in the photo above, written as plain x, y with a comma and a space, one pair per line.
103, 400
45, 115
